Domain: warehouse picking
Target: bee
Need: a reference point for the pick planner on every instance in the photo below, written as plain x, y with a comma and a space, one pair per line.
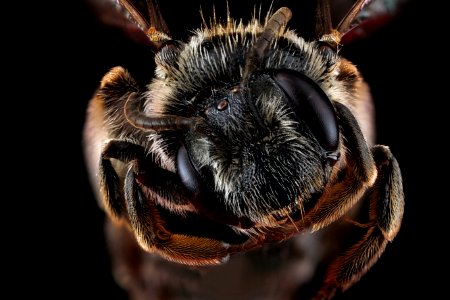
249, 140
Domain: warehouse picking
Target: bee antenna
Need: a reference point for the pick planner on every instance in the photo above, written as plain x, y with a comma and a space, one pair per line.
274, 25
346, 23
155, 28
137, 117
324, 28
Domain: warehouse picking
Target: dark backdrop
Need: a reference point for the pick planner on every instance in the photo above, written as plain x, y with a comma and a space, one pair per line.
397, 62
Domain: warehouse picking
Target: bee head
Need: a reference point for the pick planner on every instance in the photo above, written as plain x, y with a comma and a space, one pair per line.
266, 136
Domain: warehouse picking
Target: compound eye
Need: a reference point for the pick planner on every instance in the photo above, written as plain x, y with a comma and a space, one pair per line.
310, 104
188, 174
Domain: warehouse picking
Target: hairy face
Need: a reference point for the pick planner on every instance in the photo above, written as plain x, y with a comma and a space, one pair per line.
255, 146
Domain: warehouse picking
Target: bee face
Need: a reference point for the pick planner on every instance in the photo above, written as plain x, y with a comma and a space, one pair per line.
247, 135
253, 135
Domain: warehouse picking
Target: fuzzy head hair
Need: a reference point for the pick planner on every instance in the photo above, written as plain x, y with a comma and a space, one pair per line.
265, 136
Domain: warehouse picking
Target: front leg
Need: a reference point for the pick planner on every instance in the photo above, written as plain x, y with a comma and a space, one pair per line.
143, 210
111, 185
385, 215
163, 182
348, 187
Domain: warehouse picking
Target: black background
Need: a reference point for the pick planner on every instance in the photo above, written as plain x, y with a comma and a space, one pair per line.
65, 256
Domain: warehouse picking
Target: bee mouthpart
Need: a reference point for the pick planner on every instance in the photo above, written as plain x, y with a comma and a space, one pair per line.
194, 224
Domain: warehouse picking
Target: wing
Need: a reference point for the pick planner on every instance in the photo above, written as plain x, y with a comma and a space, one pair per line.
359, 21
374, 15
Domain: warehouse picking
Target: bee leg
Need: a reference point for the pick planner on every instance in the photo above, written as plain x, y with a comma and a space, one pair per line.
143, 214
385, 214
110, 183
161, 181
349, 187
370, 174
152, 235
